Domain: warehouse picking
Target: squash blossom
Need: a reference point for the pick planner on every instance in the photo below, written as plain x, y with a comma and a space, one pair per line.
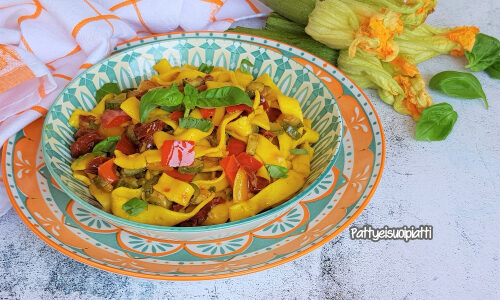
398, 82
351, 24
425, 42
413, 12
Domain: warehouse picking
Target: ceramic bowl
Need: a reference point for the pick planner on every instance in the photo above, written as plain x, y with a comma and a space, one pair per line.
286, 65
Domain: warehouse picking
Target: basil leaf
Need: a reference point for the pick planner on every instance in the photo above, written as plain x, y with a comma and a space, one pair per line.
223, 96
106, 145
494, 69
107, 88
171, 109
245, 66
201, 124
436, 122
277, 171
458, 84
159, 97
134, 206
484, 53
298, 151
205, 68
190, 97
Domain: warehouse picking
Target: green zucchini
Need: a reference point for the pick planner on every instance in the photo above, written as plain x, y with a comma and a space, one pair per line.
132, 172
296, 10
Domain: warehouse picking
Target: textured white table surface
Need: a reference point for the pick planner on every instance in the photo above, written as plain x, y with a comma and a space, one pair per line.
453, 185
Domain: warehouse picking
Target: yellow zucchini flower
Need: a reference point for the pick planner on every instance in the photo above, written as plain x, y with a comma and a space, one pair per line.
413, 12
351, 24
426, 42
398, 82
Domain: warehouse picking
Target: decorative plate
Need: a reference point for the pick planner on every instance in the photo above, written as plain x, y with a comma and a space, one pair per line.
284, 64
316, 218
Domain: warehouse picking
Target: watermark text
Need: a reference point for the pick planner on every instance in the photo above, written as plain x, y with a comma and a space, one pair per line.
406, 233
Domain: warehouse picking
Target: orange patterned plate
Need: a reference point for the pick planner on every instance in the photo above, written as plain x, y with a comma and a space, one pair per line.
318, 217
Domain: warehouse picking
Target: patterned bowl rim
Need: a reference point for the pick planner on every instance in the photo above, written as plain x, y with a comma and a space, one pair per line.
117, 220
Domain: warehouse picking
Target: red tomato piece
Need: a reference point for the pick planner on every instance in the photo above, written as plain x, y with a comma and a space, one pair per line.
267, 133
248, 162
176, 115
206, 113
107, 171
114, 118
125, 145
239, 107
256, 183
177, 153
175, 174
231, 167
235, 146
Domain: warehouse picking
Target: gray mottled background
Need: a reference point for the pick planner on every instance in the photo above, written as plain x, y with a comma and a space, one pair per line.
452, 185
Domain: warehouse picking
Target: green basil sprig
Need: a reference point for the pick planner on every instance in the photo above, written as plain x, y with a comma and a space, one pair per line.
494, 69
484, 53
245, 66
205, 68
134, 206
201, 124
277, 171
172, 97
298, 151
159, 97
107, 88
107, 145
458, 84
436, 122
190, 98
222, 97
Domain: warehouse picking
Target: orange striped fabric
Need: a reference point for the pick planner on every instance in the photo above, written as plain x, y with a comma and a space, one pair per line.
41, 88
25, 43
97, 12
39, 109
62, 76
216, 2
86, 65
75, 50
84, 22
35, 15
12, 70
252, 6
123, 4
139, 16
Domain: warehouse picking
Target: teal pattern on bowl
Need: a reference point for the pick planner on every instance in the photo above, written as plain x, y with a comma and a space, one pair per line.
129, 67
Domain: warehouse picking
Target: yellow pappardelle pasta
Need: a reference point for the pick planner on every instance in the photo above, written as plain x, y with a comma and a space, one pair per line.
192, 146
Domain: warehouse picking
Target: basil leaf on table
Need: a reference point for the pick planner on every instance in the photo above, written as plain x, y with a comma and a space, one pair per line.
458, 84
494, 69
277, 171
223, 96
107, 88
245, 66
298, 151
484, 53
201, 124
159, 97
205, 68
436, 122
134, 206
107, 145
190, 98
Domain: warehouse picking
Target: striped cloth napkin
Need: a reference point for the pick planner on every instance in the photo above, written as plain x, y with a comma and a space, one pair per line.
45, 43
